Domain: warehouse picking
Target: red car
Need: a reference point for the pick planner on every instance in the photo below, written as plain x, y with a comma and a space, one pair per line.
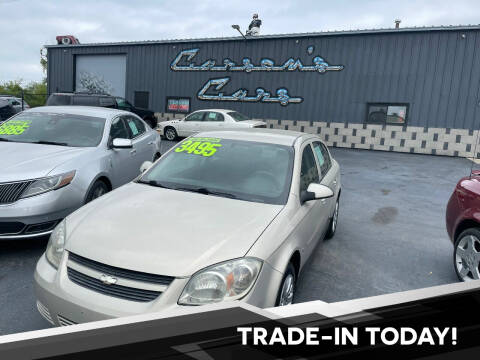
463, 226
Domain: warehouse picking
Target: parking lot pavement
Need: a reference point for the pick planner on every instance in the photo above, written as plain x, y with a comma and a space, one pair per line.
391, 236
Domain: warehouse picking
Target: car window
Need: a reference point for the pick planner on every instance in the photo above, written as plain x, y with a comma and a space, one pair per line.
197, 116
62, 129
57, 99
15, 102
323, 157
136, 126
309, 171
122, 103
118, 129
85, 100
214, 116
237, 116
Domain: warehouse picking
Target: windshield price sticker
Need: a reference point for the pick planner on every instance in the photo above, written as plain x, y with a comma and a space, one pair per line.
15, 127
199, 146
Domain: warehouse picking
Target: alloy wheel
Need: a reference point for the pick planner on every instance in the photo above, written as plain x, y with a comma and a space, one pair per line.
99, 191
170, 134
288, 288
335, 217
467, 258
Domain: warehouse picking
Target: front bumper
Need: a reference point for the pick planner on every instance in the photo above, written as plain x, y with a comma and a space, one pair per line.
62, 302
37, 216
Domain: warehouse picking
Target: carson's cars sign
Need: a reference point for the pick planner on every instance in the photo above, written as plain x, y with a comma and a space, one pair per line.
319, 65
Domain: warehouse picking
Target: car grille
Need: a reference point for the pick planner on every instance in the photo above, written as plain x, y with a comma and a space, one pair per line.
260, 126
63, 321
119, 291
11, 227
42, 309
11, 192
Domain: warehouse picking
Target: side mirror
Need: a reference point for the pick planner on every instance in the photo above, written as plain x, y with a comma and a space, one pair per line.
145, 166
122, 144
316, 192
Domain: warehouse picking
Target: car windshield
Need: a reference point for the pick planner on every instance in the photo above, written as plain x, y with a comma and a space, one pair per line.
237, 116
242, 170
54, 129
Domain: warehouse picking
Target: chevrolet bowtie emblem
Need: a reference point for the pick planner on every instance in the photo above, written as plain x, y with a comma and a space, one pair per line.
108, 279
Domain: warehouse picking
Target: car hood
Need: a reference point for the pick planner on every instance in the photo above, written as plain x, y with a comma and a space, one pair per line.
22, 161
166, 232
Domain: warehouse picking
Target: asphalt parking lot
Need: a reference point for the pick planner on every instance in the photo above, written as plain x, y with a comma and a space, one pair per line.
391, 236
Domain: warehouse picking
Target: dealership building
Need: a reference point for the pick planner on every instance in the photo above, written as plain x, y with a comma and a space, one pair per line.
407, 90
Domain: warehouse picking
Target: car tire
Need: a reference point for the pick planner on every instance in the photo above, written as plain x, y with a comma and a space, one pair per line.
170, 133
332, 226
286, 292
466, 255
98, 189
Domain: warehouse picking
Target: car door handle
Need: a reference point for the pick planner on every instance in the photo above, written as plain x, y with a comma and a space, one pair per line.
133, 151
334, 182
151, 143
323, 201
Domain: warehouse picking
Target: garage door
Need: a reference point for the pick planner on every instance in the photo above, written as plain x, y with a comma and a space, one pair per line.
101, 74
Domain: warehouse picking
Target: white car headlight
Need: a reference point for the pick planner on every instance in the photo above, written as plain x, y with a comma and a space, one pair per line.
230, 280
56, 244
43, 185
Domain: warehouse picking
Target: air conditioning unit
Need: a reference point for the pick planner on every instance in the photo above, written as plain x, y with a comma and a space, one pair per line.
67, 40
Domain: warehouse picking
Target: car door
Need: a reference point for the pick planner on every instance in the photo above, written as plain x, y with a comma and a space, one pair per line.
328, 173
191, 124
142, 141
213, 121
122, 160
314, 214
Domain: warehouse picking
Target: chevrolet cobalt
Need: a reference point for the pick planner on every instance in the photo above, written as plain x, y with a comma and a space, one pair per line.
232, 215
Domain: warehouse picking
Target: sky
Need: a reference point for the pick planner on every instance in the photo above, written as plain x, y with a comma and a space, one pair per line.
27, 25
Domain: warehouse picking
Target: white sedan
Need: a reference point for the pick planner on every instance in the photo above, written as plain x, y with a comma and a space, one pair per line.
207, 120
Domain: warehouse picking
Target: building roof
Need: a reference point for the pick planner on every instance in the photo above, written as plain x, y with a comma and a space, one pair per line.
282, 36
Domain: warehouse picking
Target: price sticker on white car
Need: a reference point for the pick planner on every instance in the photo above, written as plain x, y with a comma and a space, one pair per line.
14, 127
200, 146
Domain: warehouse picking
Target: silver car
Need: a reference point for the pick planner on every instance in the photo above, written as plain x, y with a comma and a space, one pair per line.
207, 120
234, 215
56, 159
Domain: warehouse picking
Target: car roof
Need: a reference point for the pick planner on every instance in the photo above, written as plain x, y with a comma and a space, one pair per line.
79, 110
219, 110
271, 136
82, 94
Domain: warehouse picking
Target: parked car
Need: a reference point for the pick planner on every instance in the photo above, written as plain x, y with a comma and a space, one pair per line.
232, 215
102, 100
463, 226
207, 120
56, 159
11, 105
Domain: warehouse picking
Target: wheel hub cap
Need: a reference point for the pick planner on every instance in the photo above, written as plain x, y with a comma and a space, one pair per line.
468, 258
286, 296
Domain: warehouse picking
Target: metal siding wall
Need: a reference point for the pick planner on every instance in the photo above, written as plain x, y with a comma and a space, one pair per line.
436, 72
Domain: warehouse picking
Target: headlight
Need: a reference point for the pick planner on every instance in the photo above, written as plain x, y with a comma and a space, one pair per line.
56, 244
41, 186
230, 280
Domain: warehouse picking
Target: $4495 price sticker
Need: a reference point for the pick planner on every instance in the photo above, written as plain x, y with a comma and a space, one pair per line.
200, 146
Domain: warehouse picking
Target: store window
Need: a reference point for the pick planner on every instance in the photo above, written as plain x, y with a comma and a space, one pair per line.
391, 114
